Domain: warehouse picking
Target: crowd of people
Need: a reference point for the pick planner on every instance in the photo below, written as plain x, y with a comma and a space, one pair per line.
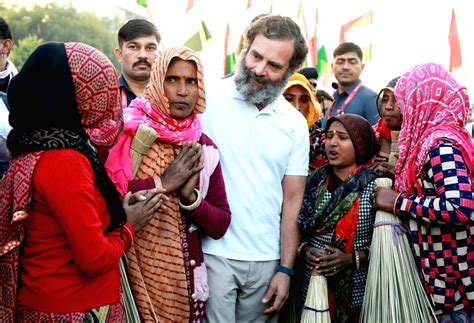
217, 200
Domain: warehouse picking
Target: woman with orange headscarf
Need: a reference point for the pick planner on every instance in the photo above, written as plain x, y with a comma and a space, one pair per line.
299, 93
166, 267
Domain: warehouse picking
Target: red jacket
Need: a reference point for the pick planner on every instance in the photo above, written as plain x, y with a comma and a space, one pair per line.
68, 264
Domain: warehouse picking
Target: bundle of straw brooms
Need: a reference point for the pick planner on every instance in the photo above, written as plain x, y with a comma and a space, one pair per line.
141, 143
394, 292
316, 305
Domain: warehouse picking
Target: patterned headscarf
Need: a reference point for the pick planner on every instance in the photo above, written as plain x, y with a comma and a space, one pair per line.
95, 85
362, 135
83, 105
314, 111
434, 106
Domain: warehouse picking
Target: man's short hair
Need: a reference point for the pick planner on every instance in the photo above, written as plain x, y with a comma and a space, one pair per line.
5, 32
137, 28
280, 28
347, 48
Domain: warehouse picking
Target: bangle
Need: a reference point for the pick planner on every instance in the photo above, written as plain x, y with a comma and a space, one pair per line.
395, 203
158, 183
286, 270
357, 259
195, 204
300, 248
124, 227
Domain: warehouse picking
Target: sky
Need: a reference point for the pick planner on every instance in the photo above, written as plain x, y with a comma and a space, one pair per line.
403, 33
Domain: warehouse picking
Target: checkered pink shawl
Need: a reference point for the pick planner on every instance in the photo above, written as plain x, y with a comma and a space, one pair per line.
434, 106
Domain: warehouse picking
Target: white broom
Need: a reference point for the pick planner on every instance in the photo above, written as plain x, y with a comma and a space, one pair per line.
141, 143
394, 292
316, 305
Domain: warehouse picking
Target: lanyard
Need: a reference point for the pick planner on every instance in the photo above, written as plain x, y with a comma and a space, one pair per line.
346, 102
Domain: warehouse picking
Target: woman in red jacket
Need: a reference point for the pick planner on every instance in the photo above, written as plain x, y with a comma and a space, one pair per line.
62, 221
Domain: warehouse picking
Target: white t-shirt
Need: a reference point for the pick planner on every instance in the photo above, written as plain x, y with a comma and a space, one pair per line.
257, 149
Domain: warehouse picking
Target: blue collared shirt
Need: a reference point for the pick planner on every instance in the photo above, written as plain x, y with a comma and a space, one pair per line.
125, 88
363, 103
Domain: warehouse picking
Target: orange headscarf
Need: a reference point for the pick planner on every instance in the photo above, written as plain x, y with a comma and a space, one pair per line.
314, 111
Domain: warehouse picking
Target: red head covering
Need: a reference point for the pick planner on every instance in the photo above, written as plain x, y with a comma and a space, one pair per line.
434, 106
96, 86
362, 136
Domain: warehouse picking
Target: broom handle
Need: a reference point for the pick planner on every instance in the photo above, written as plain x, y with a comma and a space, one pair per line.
147, 136
383, 182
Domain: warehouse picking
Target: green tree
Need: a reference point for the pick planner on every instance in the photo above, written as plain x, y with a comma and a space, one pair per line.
51, 22
24, 48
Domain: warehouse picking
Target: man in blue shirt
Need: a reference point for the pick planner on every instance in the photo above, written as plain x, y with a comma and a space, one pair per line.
351, 96
138, 42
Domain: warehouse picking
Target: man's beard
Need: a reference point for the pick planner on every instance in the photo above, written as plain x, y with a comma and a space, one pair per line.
263, 95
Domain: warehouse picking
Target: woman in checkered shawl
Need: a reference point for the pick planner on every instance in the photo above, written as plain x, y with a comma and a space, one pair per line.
434, 187
336, 217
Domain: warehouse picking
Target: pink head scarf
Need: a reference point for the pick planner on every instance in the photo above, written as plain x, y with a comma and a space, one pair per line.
434, 106
153, 109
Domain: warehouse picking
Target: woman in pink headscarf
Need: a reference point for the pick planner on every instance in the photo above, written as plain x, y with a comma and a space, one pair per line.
434, 188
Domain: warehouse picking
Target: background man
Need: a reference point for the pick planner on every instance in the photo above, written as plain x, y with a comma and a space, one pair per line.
311, 74
351, 95
264, 148
7, 71
137, 49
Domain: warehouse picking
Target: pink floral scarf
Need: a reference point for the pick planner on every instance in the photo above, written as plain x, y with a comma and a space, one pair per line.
434, 106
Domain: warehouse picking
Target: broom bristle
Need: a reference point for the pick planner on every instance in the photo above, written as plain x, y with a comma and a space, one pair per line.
131, 311
394, 292
316, 306
141, 143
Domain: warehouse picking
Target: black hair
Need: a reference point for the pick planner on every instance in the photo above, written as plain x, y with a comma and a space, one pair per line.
137, 28
5, 32
347, 48
278, 27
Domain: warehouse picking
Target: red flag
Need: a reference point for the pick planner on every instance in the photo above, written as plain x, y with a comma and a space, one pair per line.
229, 58
313, 42
455, 59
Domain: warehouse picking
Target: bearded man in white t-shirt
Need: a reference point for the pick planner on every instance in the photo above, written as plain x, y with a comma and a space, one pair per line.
264, 148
